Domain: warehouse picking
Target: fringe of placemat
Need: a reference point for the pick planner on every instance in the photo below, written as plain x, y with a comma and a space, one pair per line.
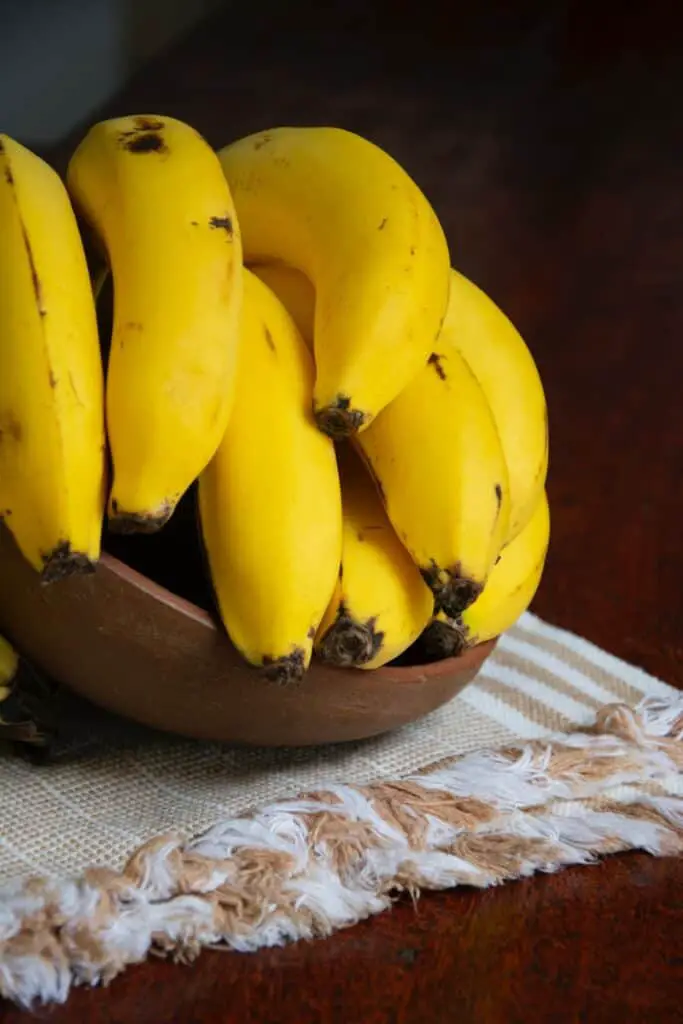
303, 868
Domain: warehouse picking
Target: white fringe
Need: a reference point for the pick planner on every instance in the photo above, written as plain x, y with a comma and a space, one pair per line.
528, 803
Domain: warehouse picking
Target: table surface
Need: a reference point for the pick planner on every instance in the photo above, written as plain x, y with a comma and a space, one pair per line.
549, 141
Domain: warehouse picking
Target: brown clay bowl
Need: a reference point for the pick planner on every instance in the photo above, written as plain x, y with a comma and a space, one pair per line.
133, 647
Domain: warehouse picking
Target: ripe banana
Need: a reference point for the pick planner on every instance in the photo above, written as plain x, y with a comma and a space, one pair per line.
22, 693
52, 442
509, 591
503, 365
381, 604
437, 458
154, 193
9, 663
338, 208
270, 500
294, 291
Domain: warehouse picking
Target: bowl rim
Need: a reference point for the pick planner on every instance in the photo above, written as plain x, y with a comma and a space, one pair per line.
398, 673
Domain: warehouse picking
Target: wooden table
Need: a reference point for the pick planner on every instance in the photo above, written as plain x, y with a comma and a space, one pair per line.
549, 140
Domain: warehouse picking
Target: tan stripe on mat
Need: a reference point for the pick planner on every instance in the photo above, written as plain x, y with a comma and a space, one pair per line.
534, 710
614, 684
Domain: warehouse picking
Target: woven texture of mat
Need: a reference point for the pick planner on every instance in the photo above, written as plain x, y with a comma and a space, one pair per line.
556, 754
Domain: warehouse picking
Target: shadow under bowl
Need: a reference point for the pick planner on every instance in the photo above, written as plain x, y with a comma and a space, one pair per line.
132, 647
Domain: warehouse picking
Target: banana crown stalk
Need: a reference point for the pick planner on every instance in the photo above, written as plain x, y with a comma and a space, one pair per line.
336, 207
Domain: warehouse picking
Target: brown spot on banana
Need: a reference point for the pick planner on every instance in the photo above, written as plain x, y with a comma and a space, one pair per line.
148, 124
499, 496
348, 642
143, 141
11, 427
383, 224
435, 361
224, 223
35, 280
269, 339
8, 176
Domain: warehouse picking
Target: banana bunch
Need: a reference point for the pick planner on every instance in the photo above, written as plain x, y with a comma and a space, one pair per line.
366, 429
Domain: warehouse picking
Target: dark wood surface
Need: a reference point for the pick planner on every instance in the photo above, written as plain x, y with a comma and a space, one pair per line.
548, 137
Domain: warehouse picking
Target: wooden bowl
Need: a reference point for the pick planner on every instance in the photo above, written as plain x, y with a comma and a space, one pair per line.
133, 647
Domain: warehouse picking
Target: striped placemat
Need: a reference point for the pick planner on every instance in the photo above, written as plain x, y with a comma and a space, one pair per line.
558, 752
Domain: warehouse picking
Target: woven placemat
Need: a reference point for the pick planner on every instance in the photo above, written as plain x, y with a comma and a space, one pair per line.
557, 753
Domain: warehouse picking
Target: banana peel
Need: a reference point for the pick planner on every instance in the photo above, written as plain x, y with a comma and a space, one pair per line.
26, 715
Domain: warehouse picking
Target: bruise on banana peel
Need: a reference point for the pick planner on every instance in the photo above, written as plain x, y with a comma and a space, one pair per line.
224, 222
435, 360
340, 420
144, 137
348, 642
35, 280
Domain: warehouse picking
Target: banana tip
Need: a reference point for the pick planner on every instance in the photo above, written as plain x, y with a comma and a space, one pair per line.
63, 561
453, 590
339, 420
349, 643
285, 670
120, 521
443, 639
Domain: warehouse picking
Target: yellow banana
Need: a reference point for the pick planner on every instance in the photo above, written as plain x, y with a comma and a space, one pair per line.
52, 442
294, 291
9, 663
509, 591
153, 192
24, 698
381, 603
336, 207
503, 365
437, 458
270, 501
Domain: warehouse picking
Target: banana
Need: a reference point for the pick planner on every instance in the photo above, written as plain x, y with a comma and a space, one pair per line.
270, 500
23, 695
294, 291
52, 442
336, 207
438, 461
153, 192
9, 663
509, 591
381, 603
507, 373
